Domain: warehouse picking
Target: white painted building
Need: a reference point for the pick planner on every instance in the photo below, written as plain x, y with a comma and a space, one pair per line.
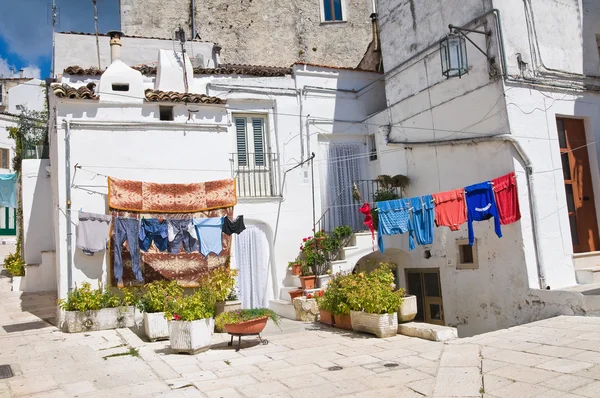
505, 115
117, 129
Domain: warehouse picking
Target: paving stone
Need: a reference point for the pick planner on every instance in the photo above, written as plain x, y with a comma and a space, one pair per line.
566, 382
394, 378
79, 388
224, 393
32, 385
553, 351
424, 386
457, 382
565, 366
515, 357
266, 388
492, 383
198, 377
233, 382
523, 373
556, 394
590, 373
334, 389
464, 355
356, 360
591, 390
587, 356
188, 392
519, 390
487, 365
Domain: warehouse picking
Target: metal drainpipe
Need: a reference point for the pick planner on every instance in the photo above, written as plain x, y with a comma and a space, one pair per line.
300, 93
530, 185
68, 204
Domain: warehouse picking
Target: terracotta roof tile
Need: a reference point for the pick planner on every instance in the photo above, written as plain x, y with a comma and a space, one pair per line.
87, 92
172, 96
226, 69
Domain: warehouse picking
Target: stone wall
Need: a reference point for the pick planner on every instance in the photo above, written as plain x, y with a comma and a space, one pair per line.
260, 32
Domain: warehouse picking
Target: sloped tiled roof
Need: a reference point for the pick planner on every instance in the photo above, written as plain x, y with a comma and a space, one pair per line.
226, 69
87, 92
172, 96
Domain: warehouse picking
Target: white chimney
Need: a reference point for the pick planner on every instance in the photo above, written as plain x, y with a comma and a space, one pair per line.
115, 45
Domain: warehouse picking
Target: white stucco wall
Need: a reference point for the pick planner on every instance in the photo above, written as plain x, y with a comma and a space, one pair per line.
38, 231
5, 141
31, 95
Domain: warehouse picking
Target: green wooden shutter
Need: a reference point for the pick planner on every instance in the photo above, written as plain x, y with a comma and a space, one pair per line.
258, 131
241, 140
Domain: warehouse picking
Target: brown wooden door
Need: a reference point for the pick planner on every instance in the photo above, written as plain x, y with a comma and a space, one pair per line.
425, 284
578, 185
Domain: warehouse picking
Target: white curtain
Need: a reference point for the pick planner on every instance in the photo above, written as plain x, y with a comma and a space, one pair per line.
252, 256
343, 168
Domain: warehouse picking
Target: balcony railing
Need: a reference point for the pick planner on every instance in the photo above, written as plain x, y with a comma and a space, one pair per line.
257, 174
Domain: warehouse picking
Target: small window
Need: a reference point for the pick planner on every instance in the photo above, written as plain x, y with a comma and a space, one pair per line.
372, 147
333, 10
5, 158
120, 87
467, 255
166, 112
251, 140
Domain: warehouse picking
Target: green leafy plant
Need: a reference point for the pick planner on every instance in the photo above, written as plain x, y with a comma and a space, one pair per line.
335, 298
156, 295
221, 280
14, 264
200, 305
85, 298
342, 232
374, 292
307, 270
233, 317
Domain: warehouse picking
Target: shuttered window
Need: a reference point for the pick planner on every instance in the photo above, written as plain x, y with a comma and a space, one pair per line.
242, 144
251, 143
258, 130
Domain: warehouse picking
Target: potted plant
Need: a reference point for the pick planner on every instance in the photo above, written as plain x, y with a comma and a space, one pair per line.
222, 280
325, 308
295, 267
251, 321
15, 266
153, 303
308, 278
295, 293
88, 309
192, 322
335, 301
374, 302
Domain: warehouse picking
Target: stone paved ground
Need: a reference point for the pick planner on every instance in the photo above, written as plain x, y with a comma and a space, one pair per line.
559, 357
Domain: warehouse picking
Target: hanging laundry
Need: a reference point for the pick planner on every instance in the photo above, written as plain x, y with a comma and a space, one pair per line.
153, 230
450, 209
233, 227
180, 232
393, 219
366, 210
209, 231
421, 222
481, 206
8, 190
507, 198
126, 229
92, 232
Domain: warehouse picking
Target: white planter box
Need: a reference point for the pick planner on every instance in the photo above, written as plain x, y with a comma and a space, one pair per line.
104, 319
227, 306
18, 283
156, 326
191, 337
408, 309
384, 325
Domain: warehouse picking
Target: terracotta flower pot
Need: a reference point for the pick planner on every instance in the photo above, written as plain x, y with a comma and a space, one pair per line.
297, 269
295, 293
308, 282
253, 326
342, 322
325, 318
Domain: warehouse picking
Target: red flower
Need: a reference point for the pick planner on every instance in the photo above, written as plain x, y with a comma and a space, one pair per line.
301, 248
323, 230
320, 293
304, 239
309, 296
176, 317
313, 230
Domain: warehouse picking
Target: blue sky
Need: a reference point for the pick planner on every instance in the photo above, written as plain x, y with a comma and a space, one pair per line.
26, 30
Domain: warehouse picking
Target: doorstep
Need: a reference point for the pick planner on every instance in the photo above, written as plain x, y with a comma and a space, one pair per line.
428, 331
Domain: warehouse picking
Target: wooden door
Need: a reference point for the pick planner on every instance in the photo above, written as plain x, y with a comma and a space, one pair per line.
578, 185
425, 284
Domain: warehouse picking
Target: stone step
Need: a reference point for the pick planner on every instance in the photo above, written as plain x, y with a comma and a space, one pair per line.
283, 308
587, 276
586, 260
284, 293
428, 331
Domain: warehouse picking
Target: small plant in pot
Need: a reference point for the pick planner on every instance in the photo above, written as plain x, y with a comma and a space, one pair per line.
335, 301
88, 309
308, 278
251, 321
192, 321
295, 267
153, 303
374, 302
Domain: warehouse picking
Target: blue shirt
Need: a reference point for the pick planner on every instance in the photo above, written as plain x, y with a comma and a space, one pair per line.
421, 222
481, 206
8, 190
393, 219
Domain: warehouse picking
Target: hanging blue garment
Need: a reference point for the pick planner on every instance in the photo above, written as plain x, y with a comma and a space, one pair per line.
481, 206
210, 234
422, 221
8, 190
393, 219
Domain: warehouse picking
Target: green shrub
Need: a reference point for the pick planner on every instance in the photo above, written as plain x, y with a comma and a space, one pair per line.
200, 305
342, 232
157, 294
221, 280
335, 298
85, 298
14, 264
375, 292
232, 317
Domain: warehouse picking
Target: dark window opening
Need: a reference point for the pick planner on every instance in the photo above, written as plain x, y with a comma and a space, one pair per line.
120, 87
372, 147
166, 112
466, 254
332, 10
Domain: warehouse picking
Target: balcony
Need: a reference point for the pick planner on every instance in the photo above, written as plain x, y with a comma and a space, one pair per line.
257, 174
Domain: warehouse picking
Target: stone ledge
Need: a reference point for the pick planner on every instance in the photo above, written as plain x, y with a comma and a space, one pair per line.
428, 331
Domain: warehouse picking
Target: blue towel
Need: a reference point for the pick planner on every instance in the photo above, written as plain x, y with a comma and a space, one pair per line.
421, 222
393, 219
209, 231
481, 206
8, 190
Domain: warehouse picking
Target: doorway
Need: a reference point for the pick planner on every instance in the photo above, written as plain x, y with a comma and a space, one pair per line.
253, 256
578, 185
425, 284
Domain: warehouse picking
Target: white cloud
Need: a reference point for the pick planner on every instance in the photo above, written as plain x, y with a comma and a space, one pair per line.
6, 70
